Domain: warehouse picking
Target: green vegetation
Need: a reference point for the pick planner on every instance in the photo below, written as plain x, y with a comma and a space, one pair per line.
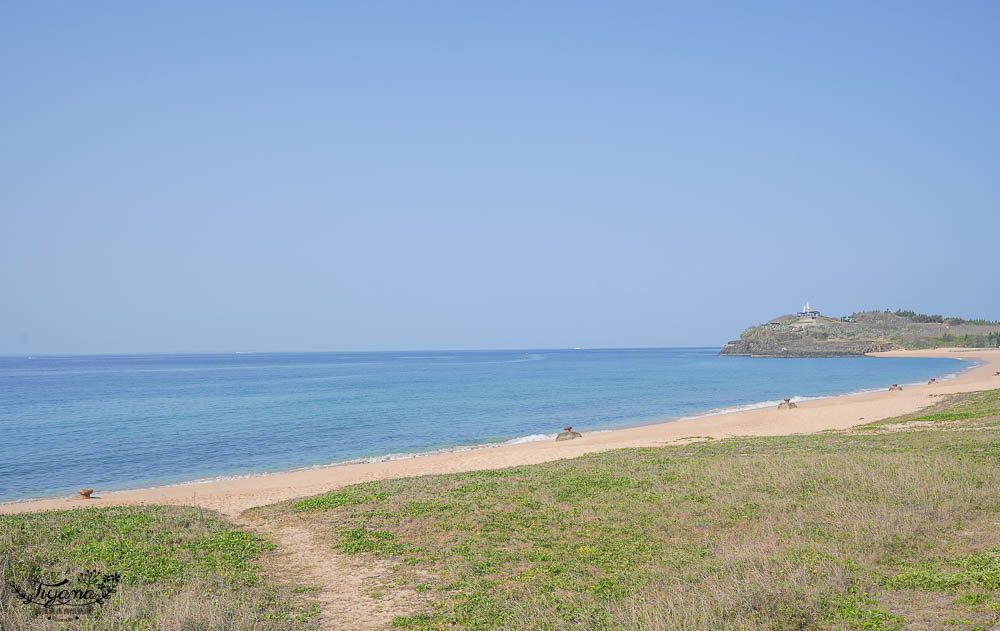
952, 321
979, 569
983, 407
970, 340
180, 568
920, 317
875, 529
966, 336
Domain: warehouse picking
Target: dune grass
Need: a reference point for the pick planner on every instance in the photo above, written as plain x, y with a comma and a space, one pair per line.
181, 568
983, 406
840, 530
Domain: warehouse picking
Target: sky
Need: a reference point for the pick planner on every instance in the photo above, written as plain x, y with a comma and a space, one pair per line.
298, 176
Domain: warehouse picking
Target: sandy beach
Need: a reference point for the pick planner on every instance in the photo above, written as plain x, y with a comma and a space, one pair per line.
231, 497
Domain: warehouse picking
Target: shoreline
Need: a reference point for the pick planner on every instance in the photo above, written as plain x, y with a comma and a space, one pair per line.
232, 495
528, 438
516, 440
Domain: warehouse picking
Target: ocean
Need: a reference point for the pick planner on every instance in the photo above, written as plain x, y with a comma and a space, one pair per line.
136, 421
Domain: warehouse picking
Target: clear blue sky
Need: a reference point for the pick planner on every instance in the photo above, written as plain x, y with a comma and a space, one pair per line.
192, 176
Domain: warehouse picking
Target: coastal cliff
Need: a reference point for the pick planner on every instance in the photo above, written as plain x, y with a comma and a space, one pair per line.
860, 333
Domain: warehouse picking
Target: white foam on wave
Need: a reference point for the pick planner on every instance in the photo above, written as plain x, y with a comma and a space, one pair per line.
533, 438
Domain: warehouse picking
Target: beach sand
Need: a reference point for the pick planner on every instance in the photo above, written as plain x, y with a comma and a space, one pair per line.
231, 497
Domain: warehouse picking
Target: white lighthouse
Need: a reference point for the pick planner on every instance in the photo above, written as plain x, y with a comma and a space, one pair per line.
808, 312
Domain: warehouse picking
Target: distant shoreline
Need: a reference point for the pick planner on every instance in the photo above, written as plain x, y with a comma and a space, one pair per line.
233, 494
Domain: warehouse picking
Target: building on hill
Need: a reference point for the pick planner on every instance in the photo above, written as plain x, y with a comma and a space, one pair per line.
808, 312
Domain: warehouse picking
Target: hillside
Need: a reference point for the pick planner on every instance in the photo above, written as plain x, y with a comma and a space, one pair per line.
869, 332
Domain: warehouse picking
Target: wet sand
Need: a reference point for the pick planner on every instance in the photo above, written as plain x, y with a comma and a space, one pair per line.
231, 497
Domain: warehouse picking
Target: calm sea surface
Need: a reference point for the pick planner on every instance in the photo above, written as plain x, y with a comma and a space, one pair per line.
118, 422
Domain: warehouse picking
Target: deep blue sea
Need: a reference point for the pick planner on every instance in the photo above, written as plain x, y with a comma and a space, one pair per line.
133, 421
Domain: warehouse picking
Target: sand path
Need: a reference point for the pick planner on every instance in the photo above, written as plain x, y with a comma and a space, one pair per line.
352, 592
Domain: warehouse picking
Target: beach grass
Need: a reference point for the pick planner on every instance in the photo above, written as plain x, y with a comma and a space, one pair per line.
983, 405
888, 527
180, 568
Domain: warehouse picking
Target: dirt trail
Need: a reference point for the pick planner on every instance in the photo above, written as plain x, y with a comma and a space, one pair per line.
355, 593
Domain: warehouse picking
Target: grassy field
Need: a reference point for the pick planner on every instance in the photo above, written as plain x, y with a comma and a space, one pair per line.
893, 526
181, 569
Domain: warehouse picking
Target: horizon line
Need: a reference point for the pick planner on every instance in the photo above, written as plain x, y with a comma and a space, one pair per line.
317, 352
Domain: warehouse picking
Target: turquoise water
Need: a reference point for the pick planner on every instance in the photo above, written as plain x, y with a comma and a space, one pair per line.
118, 422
